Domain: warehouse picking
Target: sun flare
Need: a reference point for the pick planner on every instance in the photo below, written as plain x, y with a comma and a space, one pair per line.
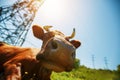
53, 9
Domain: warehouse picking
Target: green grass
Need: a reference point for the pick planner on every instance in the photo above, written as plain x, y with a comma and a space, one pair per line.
84, 73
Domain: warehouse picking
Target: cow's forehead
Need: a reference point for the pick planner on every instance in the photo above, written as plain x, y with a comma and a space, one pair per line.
58, 33
54, 33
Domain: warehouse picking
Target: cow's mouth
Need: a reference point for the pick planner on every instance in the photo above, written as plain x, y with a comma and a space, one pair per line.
56, 67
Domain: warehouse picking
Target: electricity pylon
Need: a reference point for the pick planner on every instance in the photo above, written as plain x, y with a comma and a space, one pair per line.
106, 62
93, 61
16, 19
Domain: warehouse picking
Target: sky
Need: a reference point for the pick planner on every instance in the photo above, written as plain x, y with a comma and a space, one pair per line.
97, 24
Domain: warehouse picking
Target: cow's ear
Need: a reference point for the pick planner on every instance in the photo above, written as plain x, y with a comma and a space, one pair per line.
75, 43
38, 31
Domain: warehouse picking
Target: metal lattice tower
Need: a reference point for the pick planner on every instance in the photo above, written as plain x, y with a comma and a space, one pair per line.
93, 61
106, 62
15, 20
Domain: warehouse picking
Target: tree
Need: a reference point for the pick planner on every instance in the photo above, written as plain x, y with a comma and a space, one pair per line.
117, 73
77, 63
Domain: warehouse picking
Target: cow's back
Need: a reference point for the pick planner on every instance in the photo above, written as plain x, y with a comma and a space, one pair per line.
8, 52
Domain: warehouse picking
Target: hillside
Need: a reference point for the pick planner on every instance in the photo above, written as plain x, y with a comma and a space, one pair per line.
84, 73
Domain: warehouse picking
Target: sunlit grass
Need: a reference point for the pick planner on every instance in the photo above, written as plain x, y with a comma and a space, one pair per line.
83, 73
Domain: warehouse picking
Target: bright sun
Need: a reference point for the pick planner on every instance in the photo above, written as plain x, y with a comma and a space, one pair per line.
53, 9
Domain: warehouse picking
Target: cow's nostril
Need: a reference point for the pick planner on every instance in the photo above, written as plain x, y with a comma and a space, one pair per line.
54, 45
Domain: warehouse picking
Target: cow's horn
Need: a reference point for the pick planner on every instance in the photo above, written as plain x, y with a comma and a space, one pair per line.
47, 28
72, 35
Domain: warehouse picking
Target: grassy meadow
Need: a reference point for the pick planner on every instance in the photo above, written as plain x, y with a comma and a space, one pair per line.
84, 73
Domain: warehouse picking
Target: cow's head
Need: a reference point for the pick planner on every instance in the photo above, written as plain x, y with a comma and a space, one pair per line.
58, 51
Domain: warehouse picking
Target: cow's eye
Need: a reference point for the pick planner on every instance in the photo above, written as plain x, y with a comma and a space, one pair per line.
54, 45
73, 55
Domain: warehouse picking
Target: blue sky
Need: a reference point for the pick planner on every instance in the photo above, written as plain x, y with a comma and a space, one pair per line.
97, 24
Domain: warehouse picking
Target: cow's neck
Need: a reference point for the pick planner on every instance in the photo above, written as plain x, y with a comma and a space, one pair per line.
42, 72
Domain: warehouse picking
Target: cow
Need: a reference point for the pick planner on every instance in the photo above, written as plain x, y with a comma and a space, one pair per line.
57, 54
